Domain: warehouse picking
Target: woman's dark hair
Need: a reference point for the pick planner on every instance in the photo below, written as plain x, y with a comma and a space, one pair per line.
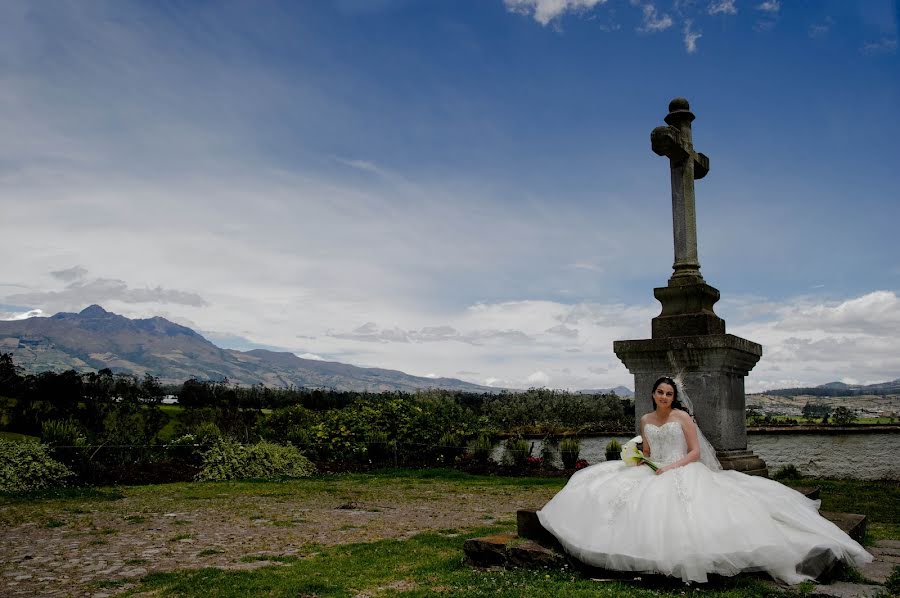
676, 404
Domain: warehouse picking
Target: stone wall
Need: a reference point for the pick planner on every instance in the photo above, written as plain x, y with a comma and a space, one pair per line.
871, 456
857, 456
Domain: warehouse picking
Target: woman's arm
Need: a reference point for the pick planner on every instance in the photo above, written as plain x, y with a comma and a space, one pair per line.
690, 435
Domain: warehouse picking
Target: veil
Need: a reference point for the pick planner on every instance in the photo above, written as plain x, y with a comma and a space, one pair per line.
707, 452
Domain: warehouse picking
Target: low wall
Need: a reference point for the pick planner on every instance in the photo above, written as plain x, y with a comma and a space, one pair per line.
858, 452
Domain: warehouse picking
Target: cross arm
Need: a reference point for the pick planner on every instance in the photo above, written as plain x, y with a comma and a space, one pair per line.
667, 141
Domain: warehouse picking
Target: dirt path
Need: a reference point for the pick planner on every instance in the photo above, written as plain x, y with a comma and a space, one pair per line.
64, 547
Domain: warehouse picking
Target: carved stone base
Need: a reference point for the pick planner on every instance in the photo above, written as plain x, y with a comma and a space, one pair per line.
687, 310
744, 462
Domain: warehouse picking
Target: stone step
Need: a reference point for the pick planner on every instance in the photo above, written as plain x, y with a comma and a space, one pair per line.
509, 550
812, 492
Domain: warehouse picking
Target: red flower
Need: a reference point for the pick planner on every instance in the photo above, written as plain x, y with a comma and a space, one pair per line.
581, 464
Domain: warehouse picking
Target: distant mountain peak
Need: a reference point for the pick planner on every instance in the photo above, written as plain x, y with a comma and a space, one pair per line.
93, 311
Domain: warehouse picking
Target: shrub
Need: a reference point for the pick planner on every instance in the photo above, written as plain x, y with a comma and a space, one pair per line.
207, 433
786, 472
481, 449
892, 583
228, 460
569, 450
28, 466
379, 446
581, 464
66, 442
451, 446
613, 450
534, 462
549, 446
516, 452
843, 416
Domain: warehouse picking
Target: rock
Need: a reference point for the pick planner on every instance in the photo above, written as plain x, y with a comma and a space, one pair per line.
844, 589
489, 550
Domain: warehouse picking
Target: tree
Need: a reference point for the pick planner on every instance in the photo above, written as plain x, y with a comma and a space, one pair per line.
843, 416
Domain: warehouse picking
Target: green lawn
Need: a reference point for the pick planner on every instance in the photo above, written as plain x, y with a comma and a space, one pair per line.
425, 564
16, 436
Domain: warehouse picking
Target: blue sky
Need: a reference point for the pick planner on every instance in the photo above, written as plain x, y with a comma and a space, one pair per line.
456, 188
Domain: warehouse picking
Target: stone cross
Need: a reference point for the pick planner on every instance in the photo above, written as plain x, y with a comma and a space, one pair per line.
675, 142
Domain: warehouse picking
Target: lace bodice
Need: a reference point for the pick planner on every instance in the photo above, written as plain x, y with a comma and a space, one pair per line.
667, 442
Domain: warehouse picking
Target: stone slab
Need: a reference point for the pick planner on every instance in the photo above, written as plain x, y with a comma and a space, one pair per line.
489, 550
509, 550
887, 556
852, 524
844, 589
529, 526
811, 492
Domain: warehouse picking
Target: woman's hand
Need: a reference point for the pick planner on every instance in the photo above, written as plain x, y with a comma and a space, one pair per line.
664, 469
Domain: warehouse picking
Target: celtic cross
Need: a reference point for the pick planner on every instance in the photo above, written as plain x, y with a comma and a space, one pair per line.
676, 143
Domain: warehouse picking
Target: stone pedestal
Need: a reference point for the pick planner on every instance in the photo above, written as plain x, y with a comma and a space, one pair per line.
713, 367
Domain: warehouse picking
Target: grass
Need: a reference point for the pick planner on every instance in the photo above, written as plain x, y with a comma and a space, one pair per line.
877, 500
17, 437
425, 565
818, 420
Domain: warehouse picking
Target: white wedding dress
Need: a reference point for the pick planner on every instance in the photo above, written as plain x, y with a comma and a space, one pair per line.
691, 521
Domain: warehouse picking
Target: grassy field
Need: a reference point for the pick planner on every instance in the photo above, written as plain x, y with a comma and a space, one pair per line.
383, 533
818, 420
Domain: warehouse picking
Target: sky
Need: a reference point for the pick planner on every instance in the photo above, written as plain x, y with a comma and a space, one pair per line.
459, 188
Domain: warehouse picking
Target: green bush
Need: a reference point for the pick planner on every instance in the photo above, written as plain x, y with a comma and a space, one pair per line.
787, 472
228, 460
569, 450
843, 416
207, 433
67, 443
516, 451
541, 410
28, 466
892, 583
450, 446
549, 446
379, 446
613, 450
481, 449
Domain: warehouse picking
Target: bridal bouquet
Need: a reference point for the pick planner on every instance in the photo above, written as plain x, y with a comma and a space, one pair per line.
632, 455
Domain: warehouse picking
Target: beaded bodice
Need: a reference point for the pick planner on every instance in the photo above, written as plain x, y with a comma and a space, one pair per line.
667, 442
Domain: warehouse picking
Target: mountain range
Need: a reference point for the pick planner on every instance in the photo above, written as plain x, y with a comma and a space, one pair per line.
94, 339
839, 389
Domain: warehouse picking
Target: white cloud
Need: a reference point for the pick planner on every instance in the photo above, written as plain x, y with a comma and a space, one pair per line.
771, 6
12, 315
818, 30
723, 7
690, 37
808, 342
545, 11
364, 165
312, 356
885, 45
654, 22
70, 274
539, 378
78, 294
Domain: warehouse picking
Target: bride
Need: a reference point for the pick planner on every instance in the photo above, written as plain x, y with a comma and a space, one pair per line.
689, 518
